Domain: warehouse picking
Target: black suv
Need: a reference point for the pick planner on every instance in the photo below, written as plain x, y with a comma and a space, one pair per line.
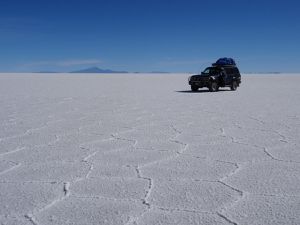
216, 76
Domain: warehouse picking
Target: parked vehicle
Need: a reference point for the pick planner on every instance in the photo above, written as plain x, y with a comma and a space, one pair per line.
218, 75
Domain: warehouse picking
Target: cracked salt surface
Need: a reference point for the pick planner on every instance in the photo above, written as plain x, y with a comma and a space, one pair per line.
192, 195
187, 167
15, 220
21, 198
257, 210
131, 157
231, 152
5, 166
123, 188
167, 217
91, 210
287, 153
108, 149
49, 171
268, 177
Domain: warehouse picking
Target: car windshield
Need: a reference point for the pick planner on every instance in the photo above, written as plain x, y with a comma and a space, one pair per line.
210, 71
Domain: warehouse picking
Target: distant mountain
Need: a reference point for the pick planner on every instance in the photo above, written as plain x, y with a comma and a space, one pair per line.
159, 72
97, 70
46, 71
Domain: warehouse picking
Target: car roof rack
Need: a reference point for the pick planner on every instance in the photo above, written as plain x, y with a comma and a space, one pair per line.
223, 65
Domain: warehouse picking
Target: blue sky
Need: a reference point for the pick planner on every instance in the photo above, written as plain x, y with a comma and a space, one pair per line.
148, 35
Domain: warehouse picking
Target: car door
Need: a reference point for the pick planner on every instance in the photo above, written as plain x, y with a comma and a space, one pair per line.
228, 77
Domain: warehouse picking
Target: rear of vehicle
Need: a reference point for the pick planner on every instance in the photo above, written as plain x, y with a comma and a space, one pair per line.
233, 77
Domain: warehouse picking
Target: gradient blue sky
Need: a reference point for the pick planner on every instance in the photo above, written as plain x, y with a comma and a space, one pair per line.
153, 35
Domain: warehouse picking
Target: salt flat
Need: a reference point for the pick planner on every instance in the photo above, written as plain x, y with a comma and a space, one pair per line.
142, 149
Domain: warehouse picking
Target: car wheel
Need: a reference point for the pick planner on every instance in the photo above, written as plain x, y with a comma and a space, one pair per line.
213, 86
233, 86
194, 88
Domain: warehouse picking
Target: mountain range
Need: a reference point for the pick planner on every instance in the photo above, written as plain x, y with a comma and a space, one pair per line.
97, 70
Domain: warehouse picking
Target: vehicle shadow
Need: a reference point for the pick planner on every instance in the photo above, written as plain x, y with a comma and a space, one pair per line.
200, 91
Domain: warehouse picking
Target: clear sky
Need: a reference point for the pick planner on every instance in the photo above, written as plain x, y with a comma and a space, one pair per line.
149, 35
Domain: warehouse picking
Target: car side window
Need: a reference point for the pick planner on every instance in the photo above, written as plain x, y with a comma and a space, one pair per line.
228, 71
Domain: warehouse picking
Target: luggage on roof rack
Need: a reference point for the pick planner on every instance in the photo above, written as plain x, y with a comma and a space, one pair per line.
224, 62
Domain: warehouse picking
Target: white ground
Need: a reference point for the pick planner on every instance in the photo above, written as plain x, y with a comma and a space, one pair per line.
136, 149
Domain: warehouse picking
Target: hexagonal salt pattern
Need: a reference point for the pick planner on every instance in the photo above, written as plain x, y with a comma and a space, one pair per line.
257, 210
268, 178
154, 217
192, 195
14, 220
118, 188
50, 171
90, 211
290, 152
23, 198
188, 167
137, 149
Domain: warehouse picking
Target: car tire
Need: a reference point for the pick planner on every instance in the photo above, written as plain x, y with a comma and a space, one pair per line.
194, 88
213, 86
233, 86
